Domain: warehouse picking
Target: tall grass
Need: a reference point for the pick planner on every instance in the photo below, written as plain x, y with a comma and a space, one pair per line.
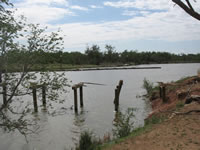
123, 125
148, 86
87, 141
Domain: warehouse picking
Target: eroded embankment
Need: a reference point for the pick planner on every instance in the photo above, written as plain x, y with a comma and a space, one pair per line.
181, 127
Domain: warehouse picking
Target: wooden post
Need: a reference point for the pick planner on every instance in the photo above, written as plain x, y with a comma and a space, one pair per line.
75, 99
160, 91
116, 100
164, 94
120, 85
4, 94
44, 96
35, 100
81, 96
117, 93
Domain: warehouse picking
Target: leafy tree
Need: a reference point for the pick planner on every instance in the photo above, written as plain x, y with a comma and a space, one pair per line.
110, 55
26, 54
94, 55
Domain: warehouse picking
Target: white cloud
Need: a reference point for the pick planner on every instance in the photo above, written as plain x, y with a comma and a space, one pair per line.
95, 6
135, 13
173, 25
46, 2
140, 4
79, 8
43, 11
43, 14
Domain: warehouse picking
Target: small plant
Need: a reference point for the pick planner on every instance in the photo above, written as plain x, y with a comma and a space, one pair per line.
179, 105
123, 124
148, 86
87, 141
154, 120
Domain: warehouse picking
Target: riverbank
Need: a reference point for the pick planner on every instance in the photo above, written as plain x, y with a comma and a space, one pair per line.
171, 125
66, 67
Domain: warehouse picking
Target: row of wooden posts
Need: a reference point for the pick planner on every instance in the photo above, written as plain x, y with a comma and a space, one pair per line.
34, 92
80, 87
75, 87
34, 87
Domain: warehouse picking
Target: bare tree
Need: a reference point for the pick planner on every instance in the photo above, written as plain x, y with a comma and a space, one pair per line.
188, 8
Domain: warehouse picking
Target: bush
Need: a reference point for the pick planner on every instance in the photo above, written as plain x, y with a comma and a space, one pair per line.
148, 86
123, 125
87, 141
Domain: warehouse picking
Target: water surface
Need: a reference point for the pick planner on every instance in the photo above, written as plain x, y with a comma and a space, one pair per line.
60, 132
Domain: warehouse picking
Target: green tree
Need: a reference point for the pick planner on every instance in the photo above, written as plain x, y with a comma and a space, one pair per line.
26, 54
110, 55
94, 55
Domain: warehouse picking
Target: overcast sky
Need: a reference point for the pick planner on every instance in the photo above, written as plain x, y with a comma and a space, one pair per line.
143, 25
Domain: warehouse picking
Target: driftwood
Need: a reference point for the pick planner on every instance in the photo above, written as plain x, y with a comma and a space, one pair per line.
188, 112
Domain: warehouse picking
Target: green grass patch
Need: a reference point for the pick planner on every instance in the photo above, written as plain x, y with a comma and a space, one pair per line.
180, 105
182, 79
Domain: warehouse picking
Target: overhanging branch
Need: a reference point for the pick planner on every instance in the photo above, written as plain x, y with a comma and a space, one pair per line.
188, 9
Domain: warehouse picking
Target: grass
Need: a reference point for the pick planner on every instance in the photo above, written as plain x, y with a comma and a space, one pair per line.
180, 105
182, 79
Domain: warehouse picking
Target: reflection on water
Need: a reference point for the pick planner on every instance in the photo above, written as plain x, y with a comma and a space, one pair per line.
79, 125
60, 129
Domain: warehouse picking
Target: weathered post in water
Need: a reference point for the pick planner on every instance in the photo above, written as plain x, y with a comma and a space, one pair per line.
116, 100
81, 96
75, 99
44, 96
35, 99
74, 87
117, 93
4, 94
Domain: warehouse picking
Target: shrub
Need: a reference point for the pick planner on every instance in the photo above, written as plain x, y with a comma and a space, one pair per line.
87, 141
148, 86
123, 125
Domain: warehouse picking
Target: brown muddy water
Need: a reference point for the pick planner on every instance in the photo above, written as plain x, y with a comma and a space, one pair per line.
61, 130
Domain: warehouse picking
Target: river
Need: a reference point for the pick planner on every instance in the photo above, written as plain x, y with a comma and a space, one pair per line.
61, 132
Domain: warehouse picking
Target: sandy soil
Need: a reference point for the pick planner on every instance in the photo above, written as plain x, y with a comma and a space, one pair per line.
178, 131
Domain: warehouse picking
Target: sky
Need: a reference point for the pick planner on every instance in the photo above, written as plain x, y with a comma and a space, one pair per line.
143, 25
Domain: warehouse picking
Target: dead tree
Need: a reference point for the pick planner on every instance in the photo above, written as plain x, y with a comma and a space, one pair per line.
187, 8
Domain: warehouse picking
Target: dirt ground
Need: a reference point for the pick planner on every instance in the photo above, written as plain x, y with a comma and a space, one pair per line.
179, 131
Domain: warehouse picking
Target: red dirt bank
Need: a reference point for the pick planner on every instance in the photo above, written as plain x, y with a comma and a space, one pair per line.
178, 131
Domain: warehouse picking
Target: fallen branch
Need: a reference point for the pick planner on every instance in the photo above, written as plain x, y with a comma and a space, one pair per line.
186, 113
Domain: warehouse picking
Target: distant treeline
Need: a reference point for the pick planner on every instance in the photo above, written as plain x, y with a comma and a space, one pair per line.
93, 55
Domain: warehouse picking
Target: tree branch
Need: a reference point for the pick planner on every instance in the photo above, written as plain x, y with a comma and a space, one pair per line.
187, 9
188, 2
